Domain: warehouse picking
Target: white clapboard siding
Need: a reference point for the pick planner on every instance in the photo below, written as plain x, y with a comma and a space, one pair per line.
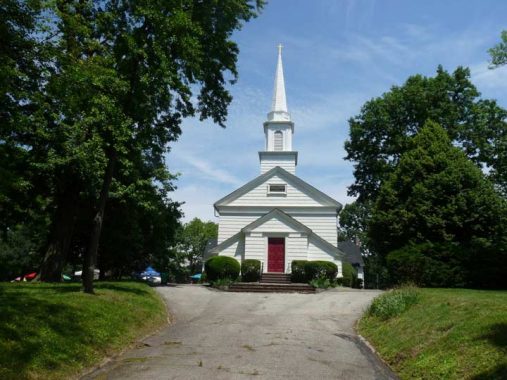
255, 248
321, 224
236, 249
274, 225
285, 162
259, 196
231, 224
317, 251
296, 248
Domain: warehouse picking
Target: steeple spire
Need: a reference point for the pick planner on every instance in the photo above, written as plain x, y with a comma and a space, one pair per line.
279, 110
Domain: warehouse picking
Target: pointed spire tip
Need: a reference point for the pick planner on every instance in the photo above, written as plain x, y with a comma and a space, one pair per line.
279, 106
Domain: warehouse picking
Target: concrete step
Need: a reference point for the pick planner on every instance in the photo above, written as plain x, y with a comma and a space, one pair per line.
271, 288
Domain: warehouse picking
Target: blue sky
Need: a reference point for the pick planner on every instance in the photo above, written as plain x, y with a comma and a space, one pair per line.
337, 55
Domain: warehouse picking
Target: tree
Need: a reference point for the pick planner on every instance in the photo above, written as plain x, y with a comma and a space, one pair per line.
498, 53
118, 78
192, 240
437, 196
353, 221
382, 131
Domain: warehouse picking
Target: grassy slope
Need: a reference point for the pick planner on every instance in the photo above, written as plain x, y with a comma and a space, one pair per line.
449, 334
53, 331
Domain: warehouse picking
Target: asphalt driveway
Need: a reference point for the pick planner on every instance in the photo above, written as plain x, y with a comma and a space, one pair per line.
219, 335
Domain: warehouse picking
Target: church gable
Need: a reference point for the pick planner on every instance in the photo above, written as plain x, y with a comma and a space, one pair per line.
276, 221
278, 188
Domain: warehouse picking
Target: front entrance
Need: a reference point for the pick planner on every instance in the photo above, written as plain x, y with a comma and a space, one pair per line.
276, 254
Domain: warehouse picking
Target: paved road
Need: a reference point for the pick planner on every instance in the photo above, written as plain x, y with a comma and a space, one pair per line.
218, 335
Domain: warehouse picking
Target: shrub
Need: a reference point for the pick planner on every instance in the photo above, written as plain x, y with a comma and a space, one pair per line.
222, 283
321, 283
298, 271
349, 275
393, 303
250, 270
320, 269
221, 267
432, 265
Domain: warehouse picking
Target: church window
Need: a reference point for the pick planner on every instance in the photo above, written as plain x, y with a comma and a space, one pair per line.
278, 140
277, 189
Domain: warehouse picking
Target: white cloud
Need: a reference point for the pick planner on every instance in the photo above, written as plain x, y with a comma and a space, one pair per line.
485, 78
209, 172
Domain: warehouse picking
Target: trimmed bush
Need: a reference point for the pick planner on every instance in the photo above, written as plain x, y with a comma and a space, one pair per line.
250, 270
221, 267
429, 265
298, 271
349, 275
320, 269
393, 303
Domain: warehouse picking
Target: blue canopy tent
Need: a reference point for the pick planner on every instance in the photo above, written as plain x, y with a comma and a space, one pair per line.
150, 272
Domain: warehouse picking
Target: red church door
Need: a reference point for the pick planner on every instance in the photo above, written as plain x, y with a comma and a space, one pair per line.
276, 254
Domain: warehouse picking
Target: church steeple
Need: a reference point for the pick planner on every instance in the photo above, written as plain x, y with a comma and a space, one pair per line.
279, 110
279, 128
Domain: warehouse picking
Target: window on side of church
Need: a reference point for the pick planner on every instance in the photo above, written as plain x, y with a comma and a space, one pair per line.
278, 141
277, 189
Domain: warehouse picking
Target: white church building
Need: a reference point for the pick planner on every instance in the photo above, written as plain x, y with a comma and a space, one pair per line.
277, 217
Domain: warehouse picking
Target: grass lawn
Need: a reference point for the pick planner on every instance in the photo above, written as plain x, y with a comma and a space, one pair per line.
54, 331
448, 334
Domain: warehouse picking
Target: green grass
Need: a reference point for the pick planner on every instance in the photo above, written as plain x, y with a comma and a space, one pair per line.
447, 334
54, 331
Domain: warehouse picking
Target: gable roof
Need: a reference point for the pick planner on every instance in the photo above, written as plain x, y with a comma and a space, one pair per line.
284, 174
213, 251
352, 252
277, 213
210, 244
285, 217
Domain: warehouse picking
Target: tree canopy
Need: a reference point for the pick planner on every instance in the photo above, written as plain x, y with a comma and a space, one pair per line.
437, 196
98, 91
498, 53
192, 239
382, 131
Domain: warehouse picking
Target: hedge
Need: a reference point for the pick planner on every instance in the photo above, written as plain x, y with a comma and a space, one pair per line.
306, 271
429, 265
221, 267
298, 271
349, 275
320, 269
250, 270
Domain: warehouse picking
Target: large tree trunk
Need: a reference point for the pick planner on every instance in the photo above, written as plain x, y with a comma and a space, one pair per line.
60, 238
90, 258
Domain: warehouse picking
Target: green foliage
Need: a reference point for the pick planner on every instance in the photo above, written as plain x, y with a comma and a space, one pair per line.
298, 273
250, 270
393, 303
383, 130
19, 253
221, 267
349, 275
437, 196
320, 269
429, 265
498, 53
375, 272
91, 96
222, 283
314, 272
449, 334
353, 220
192, 239
54, 331
322, 283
